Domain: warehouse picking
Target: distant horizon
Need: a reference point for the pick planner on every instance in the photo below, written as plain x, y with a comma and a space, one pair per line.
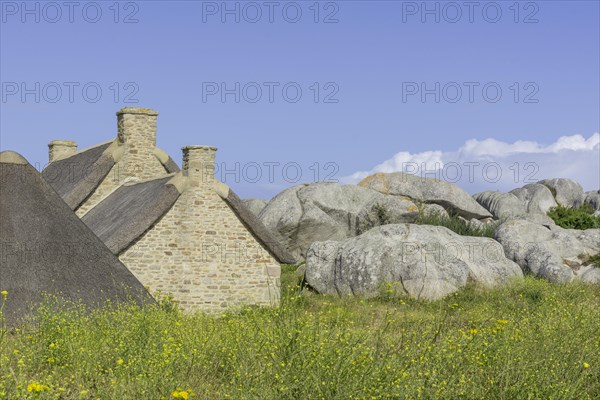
427, 165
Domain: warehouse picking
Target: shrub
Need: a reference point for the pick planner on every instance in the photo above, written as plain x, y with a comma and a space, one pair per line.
575, 218
595, 259
457, 224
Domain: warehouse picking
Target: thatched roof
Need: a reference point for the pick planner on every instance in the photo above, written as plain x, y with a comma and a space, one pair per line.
46, 248
124, 215
129, 211
75, 178
170, 165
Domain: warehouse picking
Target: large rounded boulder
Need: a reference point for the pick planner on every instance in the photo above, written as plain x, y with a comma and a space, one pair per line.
567, 192
593, 199
428, 190
537, 198
501, 205
255, 206
550, 252
425, 262
329, 211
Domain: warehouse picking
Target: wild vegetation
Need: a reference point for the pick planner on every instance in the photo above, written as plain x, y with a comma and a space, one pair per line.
379, 215
581, 217
457, 224
530, 339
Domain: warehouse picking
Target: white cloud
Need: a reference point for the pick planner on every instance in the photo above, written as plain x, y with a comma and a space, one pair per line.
492, 164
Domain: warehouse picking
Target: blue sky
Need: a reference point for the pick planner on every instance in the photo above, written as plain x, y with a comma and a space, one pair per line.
361, 68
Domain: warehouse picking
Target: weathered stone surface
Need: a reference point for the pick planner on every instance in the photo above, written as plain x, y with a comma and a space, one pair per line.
255, 205
537, 197
328, 211
427, 262
593, 199
384, 209
434, 209
477, 223
568, 192
429, 190
590, 274
540, 219
550, 252
501, 205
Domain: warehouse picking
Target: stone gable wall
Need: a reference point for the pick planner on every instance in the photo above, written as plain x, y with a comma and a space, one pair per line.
203, 255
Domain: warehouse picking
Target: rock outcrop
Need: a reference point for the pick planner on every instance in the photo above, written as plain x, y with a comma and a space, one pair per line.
592, 199
329, 211
567, 192
427, 190
551, 252
501, 205
537, 198
434, 209
255, 206
426, 262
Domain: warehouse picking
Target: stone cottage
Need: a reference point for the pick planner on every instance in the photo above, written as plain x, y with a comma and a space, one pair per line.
83, 178
179, 232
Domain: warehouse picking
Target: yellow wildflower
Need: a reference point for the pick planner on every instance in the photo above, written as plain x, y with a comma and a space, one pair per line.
35, 387
4, 294
586, 365
182, 394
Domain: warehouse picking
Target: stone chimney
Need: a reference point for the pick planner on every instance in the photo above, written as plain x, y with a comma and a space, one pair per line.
137, 131
59, 149
137, 126
199, 165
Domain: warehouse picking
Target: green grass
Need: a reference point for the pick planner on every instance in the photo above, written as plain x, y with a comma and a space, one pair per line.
528, 340
456, 224
575, 218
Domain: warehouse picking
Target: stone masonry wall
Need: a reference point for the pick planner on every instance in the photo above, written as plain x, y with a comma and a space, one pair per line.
202, 254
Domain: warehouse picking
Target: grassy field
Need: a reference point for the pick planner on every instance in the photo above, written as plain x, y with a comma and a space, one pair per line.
529, 340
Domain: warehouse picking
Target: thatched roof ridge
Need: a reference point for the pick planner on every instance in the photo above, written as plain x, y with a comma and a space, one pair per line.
74, 178
124, 215
167, 162
171, 166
